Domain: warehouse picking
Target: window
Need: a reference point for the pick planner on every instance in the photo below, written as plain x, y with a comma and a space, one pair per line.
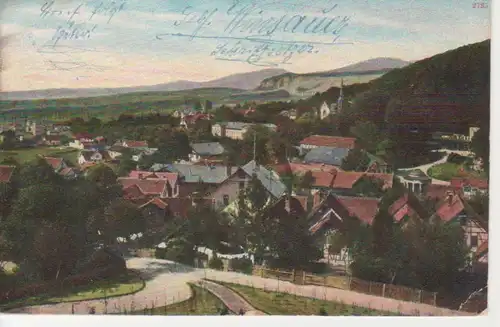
473, 241
242, 185
225, 199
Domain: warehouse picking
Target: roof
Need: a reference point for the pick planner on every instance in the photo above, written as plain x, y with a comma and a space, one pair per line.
473, 182
363, 208
139, 174
156, 202
146, 186
54, 162
6, 172
438, 191
136, 144
294, 167
206, 173
208, 149
326, 155
450, 207
482, 249
347, 179
235, 125
406, 205
66, 171
415, 175
269, 179
179, 206
79, 136
330, 141
87, 155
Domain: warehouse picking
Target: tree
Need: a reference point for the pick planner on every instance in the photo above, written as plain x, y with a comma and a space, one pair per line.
120, 219
367, 134
293, 244
126, 165
101, 175
208, 105
38, 172
356, 160
369, 186
480, 145
177, 249
306, 180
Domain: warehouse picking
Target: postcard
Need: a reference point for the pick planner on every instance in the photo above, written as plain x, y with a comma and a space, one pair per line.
245, 157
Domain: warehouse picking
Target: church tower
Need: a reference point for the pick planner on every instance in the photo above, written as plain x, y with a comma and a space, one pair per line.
340, 100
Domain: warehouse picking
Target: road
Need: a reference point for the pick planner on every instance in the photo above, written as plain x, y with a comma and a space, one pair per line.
166, 283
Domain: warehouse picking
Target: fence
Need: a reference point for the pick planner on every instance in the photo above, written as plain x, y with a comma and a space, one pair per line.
396, 292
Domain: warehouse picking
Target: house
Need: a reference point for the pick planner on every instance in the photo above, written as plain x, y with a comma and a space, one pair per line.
343, 182
61, 167
454, 209
155, 212
77, 144
470, 186
52, 140
415, 180
326, 155
6, 172
35, 128
407, 206
301, 168
133, 144
89, 156
205, 151
145, 185
315, 141
84, 138
58, 164
235, 130
333, 210
191, 119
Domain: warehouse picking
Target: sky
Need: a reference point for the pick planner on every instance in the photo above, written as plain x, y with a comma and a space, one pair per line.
105, 43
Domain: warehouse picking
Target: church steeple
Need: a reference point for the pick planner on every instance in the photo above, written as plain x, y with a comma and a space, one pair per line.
340, 100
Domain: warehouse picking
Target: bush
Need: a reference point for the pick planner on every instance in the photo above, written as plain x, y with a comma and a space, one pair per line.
243, 265
215, 263
322, 312
223, 311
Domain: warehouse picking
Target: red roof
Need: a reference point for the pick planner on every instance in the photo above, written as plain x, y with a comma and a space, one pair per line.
136, 144
473, 182
363, 208
133, 192
323, 178
438, 191
331, 141
483, 248
6, 173
157, 202
146, 186
294, 167
80, 136
54, 162
402, 208
138, 174
449, 208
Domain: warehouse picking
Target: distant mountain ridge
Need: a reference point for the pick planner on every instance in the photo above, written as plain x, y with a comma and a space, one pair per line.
262, 80
242, 81
311, 83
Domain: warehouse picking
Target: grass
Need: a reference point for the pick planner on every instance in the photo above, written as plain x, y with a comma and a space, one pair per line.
448, 170
30, 154
274, 303
201, 303
127, 283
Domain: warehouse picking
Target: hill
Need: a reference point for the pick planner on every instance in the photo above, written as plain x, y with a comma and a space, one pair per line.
243, 81
311, 83
448, 91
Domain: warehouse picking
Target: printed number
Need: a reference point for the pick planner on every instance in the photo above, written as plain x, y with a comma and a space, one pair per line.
479, 5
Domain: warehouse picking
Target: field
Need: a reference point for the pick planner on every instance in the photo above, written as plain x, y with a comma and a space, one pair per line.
448, 170
30, 154
127, 283
202, 303
274, 303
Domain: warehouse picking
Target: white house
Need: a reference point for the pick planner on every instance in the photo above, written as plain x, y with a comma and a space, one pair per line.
235, 130
76, 144
89, 156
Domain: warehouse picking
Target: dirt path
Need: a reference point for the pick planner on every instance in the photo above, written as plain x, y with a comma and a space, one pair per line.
233, 301
166, 283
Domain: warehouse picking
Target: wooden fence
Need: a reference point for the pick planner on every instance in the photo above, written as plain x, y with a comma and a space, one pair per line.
350, 283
